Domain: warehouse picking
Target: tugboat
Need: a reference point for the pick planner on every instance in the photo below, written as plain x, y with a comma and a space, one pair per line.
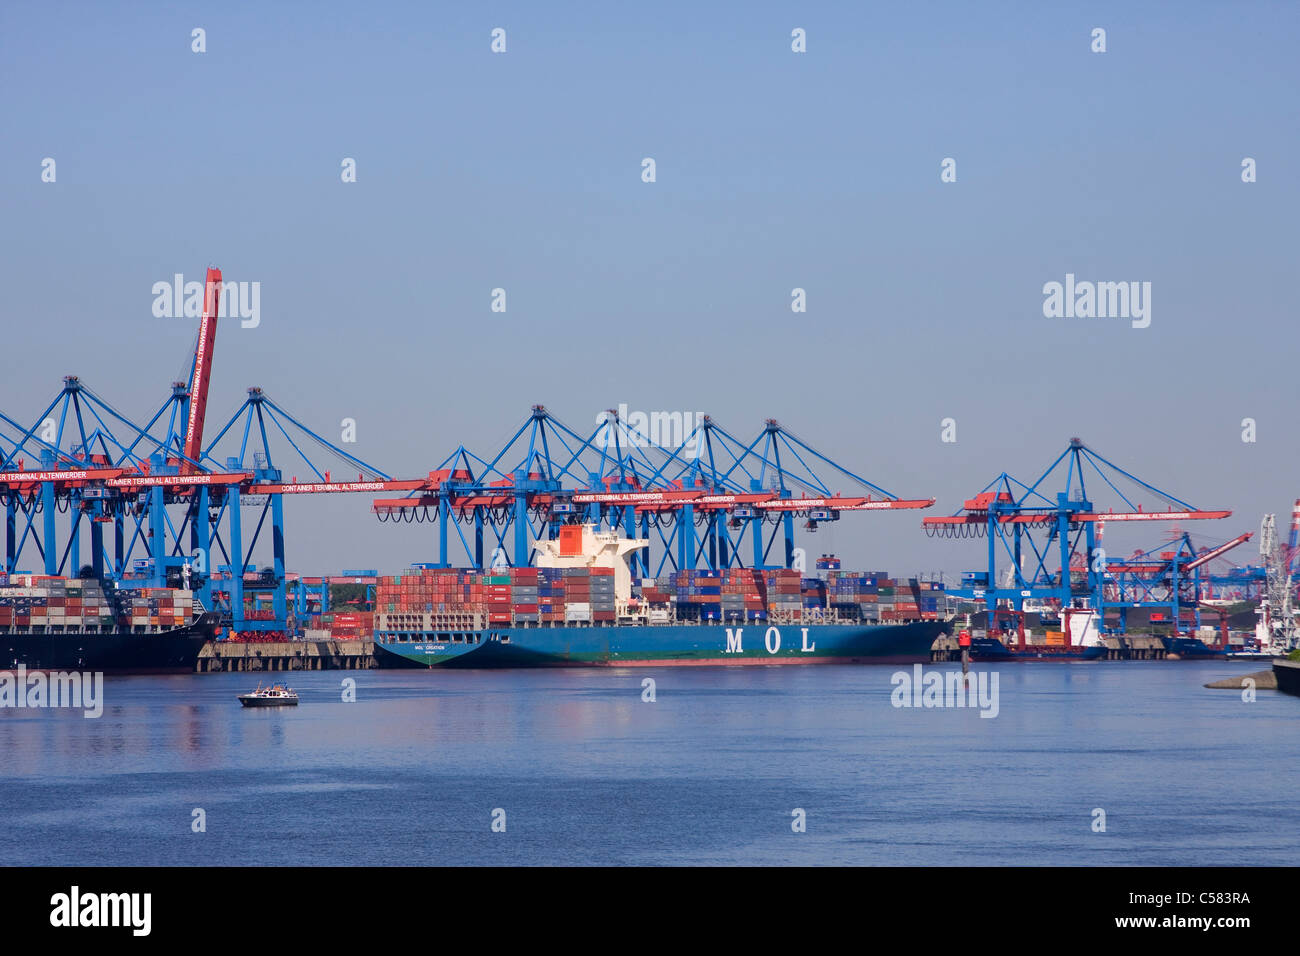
275, 696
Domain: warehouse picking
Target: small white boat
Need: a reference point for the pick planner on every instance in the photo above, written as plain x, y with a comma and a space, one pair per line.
275, 696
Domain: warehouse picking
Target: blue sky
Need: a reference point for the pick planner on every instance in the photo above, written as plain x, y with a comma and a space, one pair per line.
775, 170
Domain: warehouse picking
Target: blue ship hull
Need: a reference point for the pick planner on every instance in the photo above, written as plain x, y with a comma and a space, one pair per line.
663, 645
1192, 648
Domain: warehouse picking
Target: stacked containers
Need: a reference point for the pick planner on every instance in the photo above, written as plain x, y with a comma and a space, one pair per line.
577, 596
905, 600
428, 600
783, 592
56, 603
742, 596
158, 608
432, 598
496, 597
656, 594
931, 600
853, 595
708, 595
812, 594
887, 587
550, 595
699, 595
602, 595
524, 586
684, 592
351, 625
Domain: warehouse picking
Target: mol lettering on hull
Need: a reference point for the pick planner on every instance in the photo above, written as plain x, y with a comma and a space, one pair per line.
771, 640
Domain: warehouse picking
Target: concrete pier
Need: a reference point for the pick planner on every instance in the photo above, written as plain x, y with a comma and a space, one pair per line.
1135, 647
328, 655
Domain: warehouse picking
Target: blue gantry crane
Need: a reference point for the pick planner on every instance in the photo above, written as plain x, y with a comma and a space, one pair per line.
1166, 582
1043, 536
692, 488
149, 505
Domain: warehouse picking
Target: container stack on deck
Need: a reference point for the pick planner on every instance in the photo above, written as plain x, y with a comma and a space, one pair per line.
448, 599
854, 594
433, 599
697, 595
159, 608
784, 591
56, 603
349, 625
743, 596
39, 601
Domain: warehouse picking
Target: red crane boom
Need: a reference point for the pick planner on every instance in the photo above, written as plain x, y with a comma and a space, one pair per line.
202, 372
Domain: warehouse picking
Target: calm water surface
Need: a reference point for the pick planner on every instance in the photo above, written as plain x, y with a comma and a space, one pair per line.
710, 772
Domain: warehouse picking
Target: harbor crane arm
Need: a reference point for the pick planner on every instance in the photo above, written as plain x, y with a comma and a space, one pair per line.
201, 374
1213, 553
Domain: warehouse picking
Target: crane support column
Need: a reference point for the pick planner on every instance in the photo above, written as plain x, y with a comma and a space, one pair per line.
49, 542
645, 536
521, 528
201, 538
11, 534
157, 537
236, 560
444, 515
1096, 575
119, 546
1063, 533
97, 548
686, 538
74, 535
278, 599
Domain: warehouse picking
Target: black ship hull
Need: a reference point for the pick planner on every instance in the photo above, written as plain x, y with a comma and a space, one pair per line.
1288, 676
112, 652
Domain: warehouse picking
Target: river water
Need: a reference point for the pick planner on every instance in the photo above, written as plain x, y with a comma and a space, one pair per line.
579, 768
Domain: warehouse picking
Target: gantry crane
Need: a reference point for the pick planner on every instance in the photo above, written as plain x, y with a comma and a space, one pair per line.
702, 493
1039, 533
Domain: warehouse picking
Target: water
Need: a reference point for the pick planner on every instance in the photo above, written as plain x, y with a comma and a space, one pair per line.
588, 773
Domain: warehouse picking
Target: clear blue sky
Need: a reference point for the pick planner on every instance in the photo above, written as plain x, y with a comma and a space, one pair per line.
775, 170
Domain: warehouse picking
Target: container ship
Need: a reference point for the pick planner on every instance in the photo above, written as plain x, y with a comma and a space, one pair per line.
1009, 635
581, 606
67, 624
